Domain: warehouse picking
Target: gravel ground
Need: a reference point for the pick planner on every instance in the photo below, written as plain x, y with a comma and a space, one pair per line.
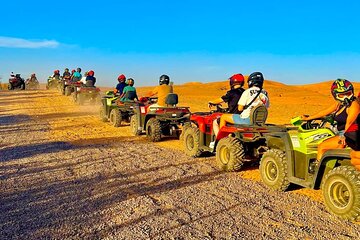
131, 189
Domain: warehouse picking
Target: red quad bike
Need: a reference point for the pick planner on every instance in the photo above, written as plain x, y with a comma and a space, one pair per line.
234, 144
16, 82
84, 94
159, 121
70, 86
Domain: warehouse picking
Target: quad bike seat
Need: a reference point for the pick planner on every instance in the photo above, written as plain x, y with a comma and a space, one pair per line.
171, 99
258, 115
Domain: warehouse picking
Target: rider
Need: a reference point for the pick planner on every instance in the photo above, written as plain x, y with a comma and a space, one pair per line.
121, 85
56, 74
77, 75
346, 112
251, 97
90, 79
66, 74
32, 78
129, 88
83, 79
162, 90
231, 98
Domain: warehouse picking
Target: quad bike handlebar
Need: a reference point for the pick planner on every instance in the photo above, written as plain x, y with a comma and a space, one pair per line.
313, 123
218, 106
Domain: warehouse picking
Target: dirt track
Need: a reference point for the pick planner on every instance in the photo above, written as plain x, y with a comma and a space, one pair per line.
66, 175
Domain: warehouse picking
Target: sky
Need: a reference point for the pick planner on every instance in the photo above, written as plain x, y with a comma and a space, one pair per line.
293, 42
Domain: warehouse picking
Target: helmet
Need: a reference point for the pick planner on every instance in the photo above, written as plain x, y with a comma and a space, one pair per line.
164, 79
57, 71
90, 73
236, 79
121, 78
343, 91
66, 69
130, 81
78, 69
72, 71
256, 79
33, 75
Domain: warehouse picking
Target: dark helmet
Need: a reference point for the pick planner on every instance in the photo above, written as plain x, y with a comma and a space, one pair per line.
236, 79
130, 81
66, 69
164, 79
91, 73
343, 91
256, 79
78, 69
121, 78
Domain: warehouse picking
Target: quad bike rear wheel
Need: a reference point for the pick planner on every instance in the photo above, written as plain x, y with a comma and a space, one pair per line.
341, 190
134, 125
273, 170
153, 130
229, 154
68, 91
115, 117
102, 114
192, 141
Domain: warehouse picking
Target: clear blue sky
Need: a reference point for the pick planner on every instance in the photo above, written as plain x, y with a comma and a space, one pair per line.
293, 42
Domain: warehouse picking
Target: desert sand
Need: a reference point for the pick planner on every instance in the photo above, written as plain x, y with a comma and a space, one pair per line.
64, 174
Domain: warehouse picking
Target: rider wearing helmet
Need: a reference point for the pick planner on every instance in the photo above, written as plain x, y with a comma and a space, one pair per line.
56, 74
346, 112
129, 92
251, 97
162, 90
121, 85
66, 74
90, 79
232, 97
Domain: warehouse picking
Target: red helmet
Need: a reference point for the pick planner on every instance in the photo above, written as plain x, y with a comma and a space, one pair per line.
236, 79
343, 91
57, 71
72, 71
91, 73
122, 78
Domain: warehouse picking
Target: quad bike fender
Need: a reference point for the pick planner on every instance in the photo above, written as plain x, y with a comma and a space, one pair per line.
331, 159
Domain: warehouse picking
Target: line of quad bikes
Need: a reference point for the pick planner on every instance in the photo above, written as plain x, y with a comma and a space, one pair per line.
286, 153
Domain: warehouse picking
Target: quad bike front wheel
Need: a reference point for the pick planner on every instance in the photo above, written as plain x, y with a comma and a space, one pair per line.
153, 130
115, 117
341, 190
191, 139
229, 154
273, 170
134, 125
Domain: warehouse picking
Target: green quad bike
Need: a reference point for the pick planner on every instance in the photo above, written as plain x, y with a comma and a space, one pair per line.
114, 111
52, 83
291, 158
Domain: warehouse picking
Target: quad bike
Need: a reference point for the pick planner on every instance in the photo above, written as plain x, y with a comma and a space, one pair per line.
61, 84
234, 145
52, 83
70, 86
16, 82
32, 84
291, 158
159, 121
85, 94
115, 111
